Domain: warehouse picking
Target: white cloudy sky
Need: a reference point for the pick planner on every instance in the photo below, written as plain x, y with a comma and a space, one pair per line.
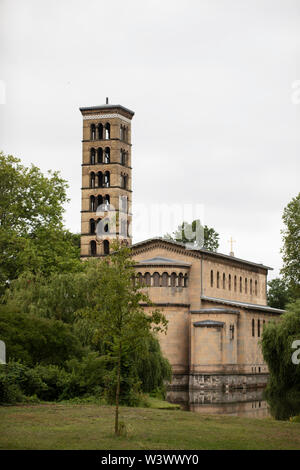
211, 83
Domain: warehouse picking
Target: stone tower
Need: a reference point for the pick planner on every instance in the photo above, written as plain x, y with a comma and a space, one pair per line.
106, 178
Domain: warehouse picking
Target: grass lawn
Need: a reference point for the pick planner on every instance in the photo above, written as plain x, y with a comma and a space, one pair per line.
88, 426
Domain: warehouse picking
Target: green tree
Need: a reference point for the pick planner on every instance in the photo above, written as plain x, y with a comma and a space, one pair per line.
33, 340
278, 349
122, 323
32, 237
291, 246
196, 235
278, 293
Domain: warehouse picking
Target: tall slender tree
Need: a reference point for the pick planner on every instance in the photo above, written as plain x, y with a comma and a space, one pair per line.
121, 321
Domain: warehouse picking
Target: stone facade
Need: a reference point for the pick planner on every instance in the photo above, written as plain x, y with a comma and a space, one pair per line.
215, 322
215, 304
106, 178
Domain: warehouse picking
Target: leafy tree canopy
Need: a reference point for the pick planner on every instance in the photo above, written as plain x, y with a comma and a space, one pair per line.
278, 293
33, 340
32, 237
277, 347
196, 235
291, 246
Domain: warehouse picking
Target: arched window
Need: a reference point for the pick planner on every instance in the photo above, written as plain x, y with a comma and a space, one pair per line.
92, 226
229, 282
180, 280
148, 279
122, 133
92, 204
224, 281
107, 155
123, 157
100, 131
107, 179
93, 248
106, 247
106, 228
107, 131
98, 227
140, 279
93, 156
250, 286
211, 278
124, 203
93, 132
156, 280
253, 327
258, 328
234, 283
100, 179
99, 201
123, 227
255, 287
123, 181
165, 280
100, 155
173, 279
106, 201
218, 279
92, 179
185, 281
246, 285
241, 284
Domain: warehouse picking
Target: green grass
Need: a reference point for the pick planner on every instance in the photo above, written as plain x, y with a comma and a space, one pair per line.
90, 426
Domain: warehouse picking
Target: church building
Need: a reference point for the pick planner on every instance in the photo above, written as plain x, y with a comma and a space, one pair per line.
216, 304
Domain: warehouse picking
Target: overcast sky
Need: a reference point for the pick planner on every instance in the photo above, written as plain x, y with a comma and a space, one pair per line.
214, 88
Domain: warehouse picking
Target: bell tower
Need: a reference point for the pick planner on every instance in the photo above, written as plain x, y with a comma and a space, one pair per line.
106, 193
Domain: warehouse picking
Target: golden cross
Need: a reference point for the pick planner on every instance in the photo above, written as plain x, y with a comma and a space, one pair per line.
231, 241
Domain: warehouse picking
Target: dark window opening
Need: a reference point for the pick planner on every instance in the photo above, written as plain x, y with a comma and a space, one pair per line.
106, 247
100, 131
93, 248
100, 155
93, 132
107, 155
107, 131
93, 156
92, 180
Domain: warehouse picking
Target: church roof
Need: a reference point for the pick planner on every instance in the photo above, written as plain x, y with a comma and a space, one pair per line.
159, 260
212, 323
200, 250
107, 106
245, 305
216, 310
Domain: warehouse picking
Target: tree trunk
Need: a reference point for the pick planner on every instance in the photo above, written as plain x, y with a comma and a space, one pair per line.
118, 392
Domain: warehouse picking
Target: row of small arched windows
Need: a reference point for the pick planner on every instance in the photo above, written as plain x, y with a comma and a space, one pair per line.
232, 283
100, 131
102, 179
93, 247
99, 201
93, 227
162, 280
99, 156
103, 203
